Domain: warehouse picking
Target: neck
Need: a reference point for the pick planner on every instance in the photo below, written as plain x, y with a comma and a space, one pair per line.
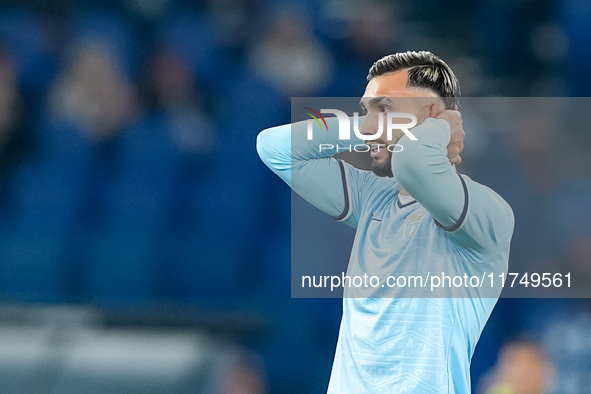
403, 192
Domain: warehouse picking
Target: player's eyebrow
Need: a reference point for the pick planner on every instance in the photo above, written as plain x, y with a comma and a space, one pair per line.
374, 101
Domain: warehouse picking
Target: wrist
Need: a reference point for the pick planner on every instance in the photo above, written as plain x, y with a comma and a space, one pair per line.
445, 129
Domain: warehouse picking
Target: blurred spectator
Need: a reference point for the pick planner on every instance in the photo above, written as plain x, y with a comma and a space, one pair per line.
374, 30
244, 376
193, 36
235, 20
366, 32
236, 370
15, 137
29, 38
172, 89
90, 105
93, 107
185, 136
522, 368
93, 93
567, 340
291, 57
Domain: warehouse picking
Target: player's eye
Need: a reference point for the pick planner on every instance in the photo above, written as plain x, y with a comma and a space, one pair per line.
384, 108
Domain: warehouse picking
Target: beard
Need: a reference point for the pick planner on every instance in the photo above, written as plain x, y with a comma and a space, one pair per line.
383, 167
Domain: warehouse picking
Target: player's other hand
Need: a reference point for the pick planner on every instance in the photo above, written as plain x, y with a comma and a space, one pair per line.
456, 143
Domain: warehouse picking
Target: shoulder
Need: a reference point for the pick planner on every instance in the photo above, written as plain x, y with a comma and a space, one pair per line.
489, 221
484, 197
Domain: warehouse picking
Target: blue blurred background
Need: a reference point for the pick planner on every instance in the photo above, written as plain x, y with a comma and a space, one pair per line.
145, 247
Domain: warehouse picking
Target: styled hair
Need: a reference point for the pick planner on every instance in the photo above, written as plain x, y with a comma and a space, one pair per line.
425, 70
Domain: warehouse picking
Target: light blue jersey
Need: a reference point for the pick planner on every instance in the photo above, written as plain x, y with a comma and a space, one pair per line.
401, 340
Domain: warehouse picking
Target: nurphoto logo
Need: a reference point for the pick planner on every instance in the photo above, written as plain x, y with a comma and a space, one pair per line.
345, 129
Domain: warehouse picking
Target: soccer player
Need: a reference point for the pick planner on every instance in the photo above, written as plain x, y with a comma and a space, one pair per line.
412, 213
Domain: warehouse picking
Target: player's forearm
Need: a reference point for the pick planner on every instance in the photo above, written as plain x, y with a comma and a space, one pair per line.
285, 146
306, 167
424, 171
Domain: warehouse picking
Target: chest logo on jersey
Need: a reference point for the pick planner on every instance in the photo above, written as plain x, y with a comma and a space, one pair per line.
412, 223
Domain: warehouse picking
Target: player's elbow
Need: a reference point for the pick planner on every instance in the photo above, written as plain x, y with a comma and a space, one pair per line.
273, 146
509, 222
263, 144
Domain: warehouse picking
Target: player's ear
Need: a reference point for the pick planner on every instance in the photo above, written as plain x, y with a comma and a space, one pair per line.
434, 110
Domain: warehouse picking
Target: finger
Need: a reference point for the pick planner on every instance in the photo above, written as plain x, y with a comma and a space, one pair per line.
453, 151
458, 145
456, 160
457, 136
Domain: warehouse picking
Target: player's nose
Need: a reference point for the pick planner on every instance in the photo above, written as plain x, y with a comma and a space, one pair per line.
369, 126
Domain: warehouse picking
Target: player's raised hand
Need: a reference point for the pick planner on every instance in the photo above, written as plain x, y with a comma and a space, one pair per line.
456, 143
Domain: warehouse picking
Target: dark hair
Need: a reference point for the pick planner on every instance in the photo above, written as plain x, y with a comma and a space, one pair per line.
425, 70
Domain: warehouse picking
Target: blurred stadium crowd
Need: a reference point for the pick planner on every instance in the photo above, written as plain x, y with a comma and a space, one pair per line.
128, 173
